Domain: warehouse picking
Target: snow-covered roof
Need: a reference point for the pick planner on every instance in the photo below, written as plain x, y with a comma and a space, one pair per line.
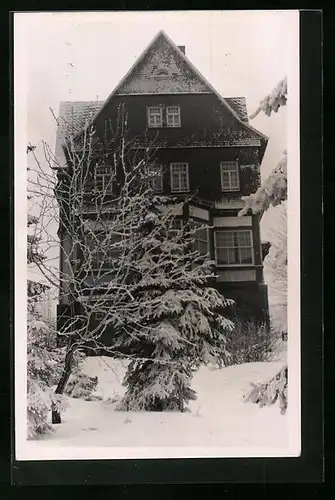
75, 115
72, 118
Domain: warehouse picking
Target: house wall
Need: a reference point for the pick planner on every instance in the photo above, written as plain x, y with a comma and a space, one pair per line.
251, 299
204, 169
204, 121
209, 134
202, 115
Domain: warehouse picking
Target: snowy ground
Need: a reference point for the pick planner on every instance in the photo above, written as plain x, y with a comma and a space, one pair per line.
218, 419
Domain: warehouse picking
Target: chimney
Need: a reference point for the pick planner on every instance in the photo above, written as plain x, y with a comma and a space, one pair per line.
182, 48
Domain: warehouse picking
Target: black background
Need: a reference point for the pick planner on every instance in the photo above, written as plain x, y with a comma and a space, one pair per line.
309, 468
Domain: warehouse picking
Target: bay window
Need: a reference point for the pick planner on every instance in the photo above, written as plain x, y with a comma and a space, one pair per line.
233, 247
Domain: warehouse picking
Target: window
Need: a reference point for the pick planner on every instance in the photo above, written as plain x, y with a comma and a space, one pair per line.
155, 173
173, 116
233, 247
99, 315
175, 226
229, 176
200, 243
155, 116
103, 178
101, 249
159, 116
179, 177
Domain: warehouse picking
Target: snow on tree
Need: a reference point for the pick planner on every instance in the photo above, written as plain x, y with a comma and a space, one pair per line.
274, 188
43, 358
43, 368
272, 192
275, 267
268, 393
180, 316
273, 101
99, 200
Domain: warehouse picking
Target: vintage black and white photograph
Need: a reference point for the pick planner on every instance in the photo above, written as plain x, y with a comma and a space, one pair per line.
157, 301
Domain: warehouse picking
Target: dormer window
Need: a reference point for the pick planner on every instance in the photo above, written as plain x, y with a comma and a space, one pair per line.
229, 176
155, 116
173, 116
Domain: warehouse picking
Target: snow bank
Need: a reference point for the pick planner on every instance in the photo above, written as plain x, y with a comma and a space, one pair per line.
219, 417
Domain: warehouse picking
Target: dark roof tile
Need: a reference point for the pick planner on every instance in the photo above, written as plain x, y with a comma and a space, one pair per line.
75, 115
239, 105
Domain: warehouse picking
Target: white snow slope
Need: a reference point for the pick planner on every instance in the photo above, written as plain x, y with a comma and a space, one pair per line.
219, 420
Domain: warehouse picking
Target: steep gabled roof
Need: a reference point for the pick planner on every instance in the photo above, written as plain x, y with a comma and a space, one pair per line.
239, 105
231, 107
75, 116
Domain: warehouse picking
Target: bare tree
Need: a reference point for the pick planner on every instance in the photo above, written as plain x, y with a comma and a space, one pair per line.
96, 199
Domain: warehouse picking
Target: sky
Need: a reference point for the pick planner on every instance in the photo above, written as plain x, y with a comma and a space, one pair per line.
83, 56
64, 56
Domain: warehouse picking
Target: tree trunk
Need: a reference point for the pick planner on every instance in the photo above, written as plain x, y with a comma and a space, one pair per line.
55, 414
181, 401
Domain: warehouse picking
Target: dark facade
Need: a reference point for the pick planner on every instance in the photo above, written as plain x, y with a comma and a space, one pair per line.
164, 102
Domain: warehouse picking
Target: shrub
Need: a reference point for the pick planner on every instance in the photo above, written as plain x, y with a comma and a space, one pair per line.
44, 363
249, 342
82, 386
268, 393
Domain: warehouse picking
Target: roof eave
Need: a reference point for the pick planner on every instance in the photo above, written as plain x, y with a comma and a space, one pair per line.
191, 65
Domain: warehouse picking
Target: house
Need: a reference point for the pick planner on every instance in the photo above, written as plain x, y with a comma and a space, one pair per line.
204, 147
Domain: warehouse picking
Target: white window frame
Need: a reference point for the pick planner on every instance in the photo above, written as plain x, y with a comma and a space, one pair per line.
234, 264
155, 173
103, 178
179, 188
227, 169
158, 115
197, 225
108, 255
176, 221
174, 116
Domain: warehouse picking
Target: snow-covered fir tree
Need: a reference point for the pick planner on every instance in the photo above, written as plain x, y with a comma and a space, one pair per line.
157, 305
272, 193
43, 358
180, 323
43, 369
275, 267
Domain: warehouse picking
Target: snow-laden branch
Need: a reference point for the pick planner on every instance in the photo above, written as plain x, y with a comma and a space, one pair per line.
272, 191
132, 284
273, 101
